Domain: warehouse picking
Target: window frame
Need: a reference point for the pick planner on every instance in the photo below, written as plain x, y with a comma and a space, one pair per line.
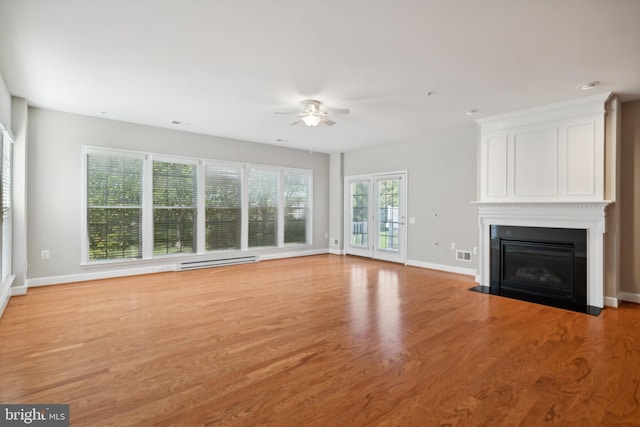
150, 215
278, 242
85, 247
201, 165
203, 191
309, 207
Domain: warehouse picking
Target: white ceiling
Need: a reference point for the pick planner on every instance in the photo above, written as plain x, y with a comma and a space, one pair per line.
223, 67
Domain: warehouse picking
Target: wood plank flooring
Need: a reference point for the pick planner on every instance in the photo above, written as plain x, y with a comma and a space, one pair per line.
316, 341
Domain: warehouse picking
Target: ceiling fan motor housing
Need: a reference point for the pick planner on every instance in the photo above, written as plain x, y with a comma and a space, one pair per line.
311, 106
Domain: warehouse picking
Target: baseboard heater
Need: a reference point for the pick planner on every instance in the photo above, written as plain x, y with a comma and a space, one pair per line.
193, 265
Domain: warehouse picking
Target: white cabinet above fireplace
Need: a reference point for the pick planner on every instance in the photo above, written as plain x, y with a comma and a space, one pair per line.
548, 154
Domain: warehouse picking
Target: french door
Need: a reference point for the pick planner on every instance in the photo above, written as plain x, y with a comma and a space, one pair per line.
375, 216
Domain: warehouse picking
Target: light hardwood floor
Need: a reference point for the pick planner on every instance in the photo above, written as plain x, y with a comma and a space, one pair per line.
316, 341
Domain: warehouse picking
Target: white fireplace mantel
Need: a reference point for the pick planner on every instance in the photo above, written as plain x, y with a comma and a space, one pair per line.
580, 215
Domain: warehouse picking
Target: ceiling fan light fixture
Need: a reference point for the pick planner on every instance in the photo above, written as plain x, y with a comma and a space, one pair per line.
311, 120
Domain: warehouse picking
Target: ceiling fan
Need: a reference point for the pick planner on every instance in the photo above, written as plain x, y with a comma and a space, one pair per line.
311, 114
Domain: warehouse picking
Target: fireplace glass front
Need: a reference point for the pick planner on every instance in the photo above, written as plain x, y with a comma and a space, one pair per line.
542, 265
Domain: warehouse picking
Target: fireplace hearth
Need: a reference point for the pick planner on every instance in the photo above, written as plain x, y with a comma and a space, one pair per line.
539, 264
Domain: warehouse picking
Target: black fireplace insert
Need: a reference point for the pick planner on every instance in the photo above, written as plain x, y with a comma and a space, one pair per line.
542, 265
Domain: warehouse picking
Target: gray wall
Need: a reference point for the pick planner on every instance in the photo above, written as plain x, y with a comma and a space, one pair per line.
441, 175
55, 177
336, 202
19, 115
630, 199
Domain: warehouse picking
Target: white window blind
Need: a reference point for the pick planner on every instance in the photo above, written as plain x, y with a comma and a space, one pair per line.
223, 207
174, 207
263, 207
114, 206
296, 207
144, 205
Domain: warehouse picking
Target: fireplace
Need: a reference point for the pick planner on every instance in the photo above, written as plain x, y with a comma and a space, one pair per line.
540, 264
550, 167
559, 246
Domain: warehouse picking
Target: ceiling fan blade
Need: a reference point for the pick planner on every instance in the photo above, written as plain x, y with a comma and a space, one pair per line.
336, 111
296, 122
326, 121
287, 112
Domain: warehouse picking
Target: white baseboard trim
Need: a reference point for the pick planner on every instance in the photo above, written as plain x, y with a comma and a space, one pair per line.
610, 302
83, 277
18, 290
336, 251
442, 267
5, 295
629, 297
293, 254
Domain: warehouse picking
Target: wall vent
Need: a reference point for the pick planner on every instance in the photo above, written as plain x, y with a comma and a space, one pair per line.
463, 256
193, 265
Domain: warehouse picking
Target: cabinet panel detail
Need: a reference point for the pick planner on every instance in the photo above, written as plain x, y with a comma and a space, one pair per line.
580, 159
553, 153
536, 163
497, 170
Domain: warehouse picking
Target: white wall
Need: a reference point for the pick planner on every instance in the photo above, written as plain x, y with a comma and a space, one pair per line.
5, 104
441, 178
55, 177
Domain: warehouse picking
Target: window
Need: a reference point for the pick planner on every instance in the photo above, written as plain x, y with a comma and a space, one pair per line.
114, 206
263, 207
6, 189
174, 207
223, 213
296, 207
144, 206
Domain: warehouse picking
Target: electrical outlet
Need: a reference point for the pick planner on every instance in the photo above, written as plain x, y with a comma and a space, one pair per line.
453, 246
44, 254
336, 241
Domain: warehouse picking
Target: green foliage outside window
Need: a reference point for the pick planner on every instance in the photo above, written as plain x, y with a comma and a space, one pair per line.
174, 207
114, 207
296, 208
223, 214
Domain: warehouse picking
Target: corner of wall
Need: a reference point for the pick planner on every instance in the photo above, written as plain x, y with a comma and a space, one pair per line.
19, 254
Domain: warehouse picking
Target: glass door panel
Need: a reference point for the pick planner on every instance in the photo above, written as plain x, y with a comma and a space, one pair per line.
390, 218
359, 217
375, 216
